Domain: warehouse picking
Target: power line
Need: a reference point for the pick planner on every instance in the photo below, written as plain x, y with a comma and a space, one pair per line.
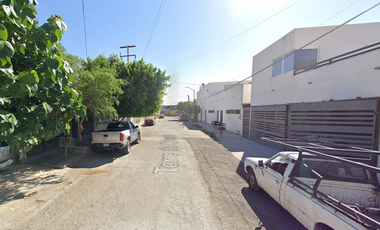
207, 51
99, 23
46, 13
79, 19
84, 25
163, 2
307, 44
183, 83
111, 21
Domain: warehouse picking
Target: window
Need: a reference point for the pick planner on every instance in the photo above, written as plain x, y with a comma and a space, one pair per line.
233, 111
333, 170
294, 60
279, 163
211, 111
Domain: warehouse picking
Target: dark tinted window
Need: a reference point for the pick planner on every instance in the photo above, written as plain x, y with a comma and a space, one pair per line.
118, 126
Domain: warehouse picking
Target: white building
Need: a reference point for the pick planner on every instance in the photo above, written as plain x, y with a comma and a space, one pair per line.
223, 102
349, 78
320, 83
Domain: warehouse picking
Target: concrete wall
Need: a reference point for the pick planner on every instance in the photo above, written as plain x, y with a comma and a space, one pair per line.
347, 79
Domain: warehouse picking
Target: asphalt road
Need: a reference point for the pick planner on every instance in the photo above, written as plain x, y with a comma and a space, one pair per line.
176, 178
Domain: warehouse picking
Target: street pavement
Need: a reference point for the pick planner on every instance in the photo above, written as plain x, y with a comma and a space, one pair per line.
21, 182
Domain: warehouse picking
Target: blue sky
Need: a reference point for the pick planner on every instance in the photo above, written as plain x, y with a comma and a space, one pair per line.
197, 41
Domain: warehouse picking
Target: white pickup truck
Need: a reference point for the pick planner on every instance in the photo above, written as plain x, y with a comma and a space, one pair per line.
118, 135
322, 191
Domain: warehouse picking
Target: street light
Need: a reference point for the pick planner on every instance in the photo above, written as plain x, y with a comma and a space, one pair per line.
193, 97
193, 92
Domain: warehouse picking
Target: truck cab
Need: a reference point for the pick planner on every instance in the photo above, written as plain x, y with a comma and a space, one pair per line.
321, 191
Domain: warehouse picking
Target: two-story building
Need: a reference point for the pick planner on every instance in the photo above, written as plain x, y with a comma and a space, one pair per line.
321, 82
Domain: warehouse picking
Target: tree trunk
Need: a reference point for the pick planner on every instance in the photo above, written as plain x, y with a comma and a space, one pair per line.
80, 130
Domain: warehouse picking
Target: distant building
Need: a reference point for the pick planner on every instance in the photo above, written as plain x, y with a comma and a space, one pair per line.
223, 101
168, 110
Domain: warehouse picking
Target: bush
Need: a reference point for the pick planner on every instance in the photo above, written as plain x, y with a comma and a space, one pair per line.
211, 134
198, 126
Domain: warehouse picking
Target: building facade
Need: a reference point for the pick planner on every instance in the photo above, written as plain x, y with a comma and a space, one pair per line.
319, 83
223, 102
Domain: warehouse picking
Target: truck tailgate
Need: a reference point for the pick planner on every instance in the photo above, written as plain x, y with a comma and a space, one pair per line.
106, 137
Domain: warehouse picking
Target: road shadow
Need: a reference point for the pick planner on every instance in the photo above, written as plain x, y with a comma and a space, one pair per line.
94, 160
270, 213
21, 181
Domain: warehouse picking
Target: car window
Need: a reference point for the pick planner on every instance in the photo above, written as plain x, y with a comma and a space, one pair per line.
118, 126
279, 164
333, 170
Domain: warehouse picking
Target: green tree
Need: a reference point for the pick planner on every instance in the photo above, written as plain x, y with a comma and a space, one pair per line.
188, 107
36, 98
143, 96
98, 82
183, 107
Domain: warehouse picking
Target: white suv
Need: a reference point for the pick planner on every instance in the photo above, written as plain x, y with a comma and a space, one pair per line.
5, 155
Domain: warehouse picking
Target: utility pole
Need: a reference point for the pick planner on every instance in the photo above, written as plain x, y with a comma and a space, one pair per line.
123, 47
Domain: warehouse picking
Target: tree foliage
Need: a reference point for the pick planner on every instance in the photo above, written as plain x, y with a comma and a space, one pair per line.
144, 93
188, 107
36, 98
98, 82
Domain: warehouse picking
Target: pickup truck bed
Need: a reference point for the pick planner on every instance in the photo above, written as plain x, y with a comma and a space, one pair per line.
118, 135
320, 191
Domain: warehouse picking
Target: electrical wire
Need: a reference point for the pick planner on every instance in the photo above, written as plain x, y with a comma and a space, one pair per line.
307, 44
84, 25
163, 2
183, 83
80, 19
209, 50
46, 13
111, 21
99, 23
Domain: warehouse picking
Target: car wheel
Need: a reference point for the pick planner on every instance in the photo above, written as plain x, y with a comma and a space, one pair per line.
127, 147
252, 181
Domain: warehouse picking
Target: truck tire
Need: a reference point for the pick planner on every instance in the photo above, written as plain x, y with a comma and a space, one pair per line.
127, 147
252, 181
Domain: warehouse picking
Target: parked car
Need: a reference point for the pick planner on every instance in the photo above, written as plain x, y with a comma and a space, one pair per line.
320, 190
118, 135
5, 155
149, 121
161, 116
183, 117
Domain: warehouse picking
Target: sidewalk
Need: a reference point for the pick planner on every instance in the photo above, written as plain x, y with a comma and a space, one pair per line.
238, 146
56, 158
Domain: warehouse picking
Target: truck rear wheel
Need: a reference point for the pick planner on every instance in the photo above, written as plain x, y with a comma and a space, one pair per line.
252, 181
127, 147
